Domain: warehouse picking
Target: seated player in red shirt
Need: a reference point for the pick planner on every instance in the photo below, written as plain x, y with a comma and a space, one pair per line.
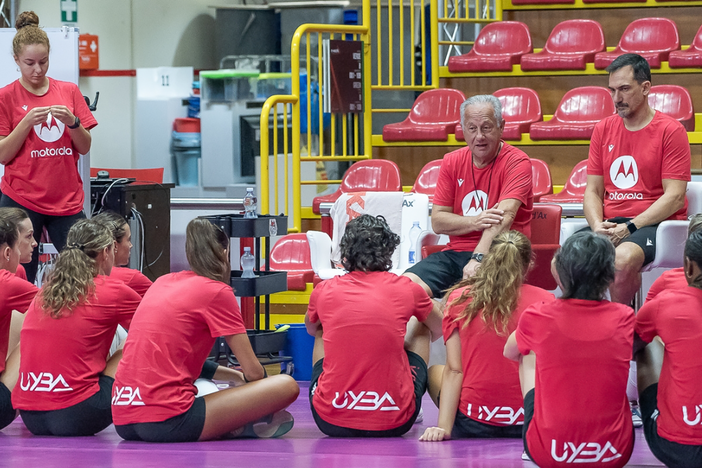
15, 294
574, 358
26, 244
479, 390
372, 333
674, 278
123, 246
671, 411
171, 336
65, 382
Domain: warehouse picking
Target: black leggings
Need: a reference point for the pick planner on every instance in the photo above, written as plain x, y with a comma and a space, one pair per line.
57, 227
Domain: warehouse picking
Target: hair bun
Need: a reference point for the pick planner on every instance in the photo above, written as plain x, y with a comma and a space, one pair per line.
26, 18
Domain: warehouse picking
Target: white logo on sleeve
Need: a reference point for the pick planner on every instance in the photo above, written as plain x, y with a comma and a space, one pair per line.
611, 147
43, 382
51, 130
499, 414
126, 396
586, 452
460, 182
688, 417
365, 401
474, 203
624, 172
24, 107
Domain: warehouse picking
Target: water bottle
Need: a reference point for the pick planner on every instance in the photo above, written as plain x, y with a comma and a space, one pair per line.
247, 263
250, 203
414, 232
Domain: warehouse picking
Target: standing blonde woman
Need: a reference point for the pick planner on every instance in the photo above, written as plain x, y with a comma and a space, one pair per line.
478, 391
65, 383
44, 128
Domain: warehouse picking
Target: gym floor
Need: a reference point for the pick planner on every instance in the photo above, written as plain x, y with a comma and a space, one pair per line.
302, 447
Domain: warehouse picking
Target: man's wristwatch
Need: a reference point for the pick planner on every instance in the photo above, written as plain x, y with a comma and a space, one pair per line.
478, 257
631, 227
75, 125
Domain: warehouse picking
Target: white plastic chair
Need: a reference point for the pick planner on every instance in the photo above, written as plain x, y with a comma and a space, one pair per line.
320, 255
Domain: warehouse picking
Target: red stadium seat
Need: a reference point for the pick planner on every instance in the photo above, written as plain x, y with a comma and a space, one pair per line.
570, 46
426, 180
545, 234
520, 108
690, 58
576, 116
498, 46
292, 254
652, 38
676, 102
154, 176
541, 2
433, 116
370, 175
541, 179
574, 188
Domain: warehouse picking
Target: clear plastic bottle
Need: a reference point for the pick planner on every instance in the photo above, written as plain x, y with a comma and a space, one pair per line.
247, 263
414, 233
250, 203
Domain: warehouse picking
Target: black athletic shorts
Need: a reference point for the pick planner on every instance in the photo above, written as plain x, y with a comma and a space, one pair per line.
86, 418
419, 378
668, 452
7, 412
441, 270
644, 237
185, 427
528, 416
467, 428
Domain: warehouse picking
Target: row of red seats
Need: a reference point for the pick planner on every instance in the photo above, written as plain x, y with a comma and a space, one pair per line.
574, 43
436, 113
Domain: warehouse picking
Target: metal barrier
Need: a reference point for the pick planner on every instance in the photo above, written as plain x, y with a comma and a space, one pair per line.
394, 59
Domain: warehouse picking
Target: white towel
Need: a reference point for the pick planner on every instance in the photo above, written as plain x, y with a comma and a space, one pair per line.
352, 205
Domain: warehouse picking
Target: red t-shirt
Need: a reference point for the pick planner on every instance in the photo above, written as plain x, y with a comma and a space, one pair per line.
508, 176
676, 316
633, 164
61, 359
132, 278
366, 382
581, 411
491, 392
15, 294
172, 334
670, 279
21, 272
43, 176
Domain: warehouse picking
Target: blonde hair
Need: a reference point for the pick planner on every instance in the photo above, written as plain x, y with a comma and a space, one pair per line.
115, 222
71, 280
28, 33
205, 249
494, 290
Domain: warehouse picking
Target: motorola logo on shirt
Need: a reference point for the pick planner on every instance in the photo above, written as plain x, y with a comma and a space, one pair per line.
624, 172
51, 130
584, 452
474, 203
365, 401
43, 382
499, 414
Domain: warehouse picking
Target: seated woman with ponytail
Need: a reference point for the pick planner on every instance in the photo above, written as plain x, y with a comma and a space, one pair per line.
123, 246
65, 382
15, 294
478, 390
172, 334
